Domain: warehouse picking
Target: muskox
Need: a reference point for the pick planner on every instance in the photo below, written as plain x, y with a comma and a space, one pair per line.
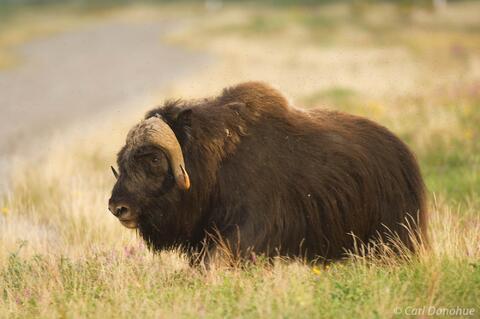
267, 178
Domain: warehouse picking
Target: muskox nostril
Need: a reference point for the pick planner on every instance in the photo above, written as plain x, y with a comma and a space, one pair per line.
120, 210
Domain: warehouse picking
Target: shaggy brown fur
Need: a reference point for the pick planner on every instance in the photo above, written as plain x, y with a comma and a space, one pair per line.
273, 179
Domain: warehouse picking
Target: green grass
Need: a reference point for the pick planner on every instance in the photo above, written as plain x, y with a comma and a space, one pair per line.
133, 284
453, 173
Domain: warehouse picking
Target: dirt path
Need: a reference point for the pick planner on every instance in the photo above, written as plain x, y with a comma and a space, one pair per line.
76, 75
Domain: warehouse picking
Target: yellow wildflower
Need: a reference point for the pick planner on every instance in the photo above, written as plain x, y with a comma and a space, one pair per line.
316, 270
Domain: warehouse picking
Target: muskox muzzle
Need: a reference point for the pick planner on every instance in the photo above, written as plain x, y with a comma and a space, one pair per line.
125, 214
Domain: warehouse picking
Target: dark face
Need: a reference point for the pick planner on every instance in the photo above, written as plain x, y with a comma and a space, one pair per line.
144, 178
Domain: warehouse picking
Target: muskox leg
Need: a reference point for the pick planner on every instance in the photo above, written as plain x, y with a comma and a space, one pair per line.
211, 257
229, 248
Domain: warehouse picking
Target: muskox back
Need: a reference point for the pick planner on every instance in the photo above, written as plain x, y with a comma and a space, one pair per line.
272, 179
308, 182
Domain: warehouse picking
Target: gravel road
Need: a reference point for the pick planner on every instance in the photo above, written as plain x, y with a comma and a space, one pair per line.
76, 75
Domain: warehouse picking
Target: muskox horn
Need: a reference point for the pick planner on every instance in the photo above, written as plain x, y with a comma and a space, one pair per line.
114, 171
157, 132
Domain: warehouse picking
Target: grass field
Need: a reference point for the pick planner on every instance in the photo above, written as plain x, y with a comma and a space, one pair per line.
414, 70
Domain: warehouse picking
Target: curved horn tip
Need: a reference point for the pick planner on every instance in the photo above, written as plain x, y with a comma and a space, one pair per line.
183, 180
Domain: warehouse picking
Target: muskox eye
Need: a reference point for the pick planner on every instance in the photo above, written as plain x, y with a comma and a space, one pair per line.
155, 159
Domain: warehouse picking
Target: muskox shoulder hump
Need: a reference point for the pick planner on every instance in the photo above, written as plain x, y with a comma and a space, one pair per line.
257, 96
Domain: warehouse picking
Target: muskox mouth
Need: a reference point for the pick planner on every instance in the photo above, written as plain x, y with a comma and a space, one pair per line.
131, 223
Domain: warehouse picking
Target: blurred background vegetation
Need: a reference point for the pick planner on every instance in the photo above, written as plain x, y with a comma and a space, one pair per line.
8, 6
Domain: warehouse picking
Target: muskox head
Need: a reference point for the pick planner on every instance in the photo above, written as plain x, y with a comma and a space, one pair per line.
151, 175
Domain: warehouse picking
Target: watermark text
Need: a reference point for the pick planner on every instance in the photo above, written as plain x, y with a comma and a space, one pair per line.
435, 311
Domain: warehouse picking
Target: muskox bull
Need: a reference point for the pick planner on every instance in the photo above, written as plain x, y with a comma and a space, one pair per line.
266, 177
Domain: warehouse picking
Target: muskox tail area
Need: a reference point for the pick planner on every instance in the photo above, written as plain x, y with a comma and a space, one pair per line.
392, 188
411, 233
418, 222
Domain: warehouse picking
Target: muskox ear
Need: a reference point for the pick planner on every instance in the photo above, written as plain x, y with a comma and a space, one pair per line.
181, 124
184, 117
176, 116
168, 111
